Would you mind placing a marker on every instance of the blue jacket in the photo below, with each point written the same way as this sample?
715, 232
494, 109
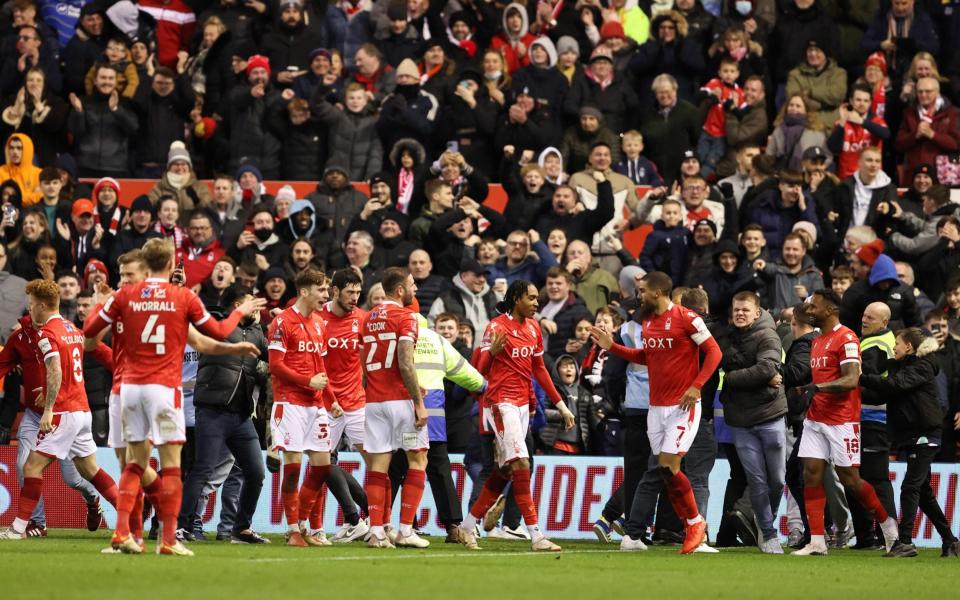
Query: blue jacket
778, 221
637, 395
665, 249
534, 271
645, 174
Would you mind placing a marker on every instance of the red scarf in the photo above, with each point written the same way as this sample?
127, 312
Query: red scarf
603, 84
114, 220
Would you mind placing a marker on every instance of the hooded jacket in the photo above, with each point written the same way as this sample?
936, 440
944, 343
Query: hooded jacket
507, 45
478, 309
899, 297
751, 358
722, 286
547, 85
580, 403
926, 237
26, 174
910, 388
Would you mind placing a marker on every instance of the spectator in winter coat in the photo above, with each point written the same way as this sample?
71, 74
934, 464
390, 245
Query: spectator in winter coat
203, 249
746, 126
730, 275
470, 298
754, 405
399, 40
668, 52
138, 232
590, 281
259, 244
820, 80
470, 118
31, 51
409, 112
527, 258
671, 126
560, 312
858, 196
603, 88
914, 415
882, 285
370, 71
180, 182
796, 129
449, 233
929, 130
41, 115
636, 167
462, 177
102, 125
514, 39
921, 233
336, 202
85, 48
244, 126
304, 140
429, 286
800, 21
577, 223
163, 105
528, 192
579, 140
778, 210
578, 439
665, 248
793, 279
900, 32
542, 80
18, 166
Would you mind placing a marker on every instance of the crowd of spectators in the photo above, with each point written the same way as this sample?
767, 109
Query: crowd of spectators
774, 146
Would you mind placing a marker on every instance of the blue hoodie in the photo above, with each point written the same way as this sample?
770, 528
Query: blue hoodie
296, 207
883, 270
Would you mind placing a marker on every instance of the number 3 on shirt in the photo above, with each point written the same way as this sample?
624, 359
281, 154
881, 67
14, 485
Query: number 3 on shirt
374, 343
154, 334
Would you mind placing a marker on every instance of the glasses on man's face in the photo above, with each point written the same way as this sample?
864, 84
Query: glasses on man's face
517, 244
694, 188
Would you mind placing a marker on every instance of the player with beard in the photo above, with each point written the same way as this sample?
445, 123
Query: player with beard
395, 418
511, 355
831, 430
341, 320
673, 338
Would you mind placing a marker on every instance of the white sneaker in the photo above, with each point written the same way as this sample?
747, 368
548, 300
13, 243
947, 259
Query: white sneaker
10, 534
812, 549
520, 533
349, 533
890, 532
391, 534
468, 537
705, 548
628, 544
412, 541
375, 542
544, 545
771, 546
497, 533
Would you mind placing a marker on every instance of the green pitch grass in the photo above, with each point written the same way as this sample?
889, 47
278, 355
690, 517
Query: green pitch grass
68, 564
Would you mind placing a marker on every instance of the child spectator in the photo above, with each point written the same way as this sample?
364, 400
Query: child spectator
723, 93
633, 164
353, 140
841, 278
665, 248
577, 439
117, 55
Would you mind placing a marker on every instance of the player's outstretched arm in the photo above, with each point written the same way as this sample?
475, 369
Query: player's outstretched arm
221, 329
605, 341
207, 345
408, 372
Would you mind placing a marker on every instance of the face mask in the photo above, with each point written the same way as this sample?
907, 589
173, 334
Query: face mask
177, 180
263, 234
493, 76
744, 7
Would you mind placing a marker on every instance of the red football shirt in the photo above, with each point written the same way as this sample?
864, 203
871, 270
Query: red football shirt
670, 347
386, 326
297, 342
59, 337
343, 356
21, 351
828, 354
510, 374
152, 320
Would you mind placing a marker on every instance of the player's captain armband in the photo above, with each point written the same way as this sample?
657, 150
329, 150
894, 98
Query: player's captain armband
851, 350
701, 333
45, 346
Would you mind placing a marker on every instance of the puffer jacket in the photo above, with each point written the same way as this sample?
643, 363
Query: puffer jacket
797, 373
780, 281
352, 141
825, 88
247, 133
101, 136
335, 209
195, 194
580, 403
478, 309
220, 377
751, 358
910, 387
898, 296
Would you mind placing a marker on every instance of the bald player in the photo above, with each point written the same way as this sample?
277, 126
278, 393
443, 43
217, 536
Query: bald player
876, 349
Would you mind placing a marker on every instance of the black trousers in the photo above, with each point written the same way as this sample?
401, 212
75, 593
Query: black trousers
440, 477
875, 470
736, 487
636, 454
915, 492
511, 514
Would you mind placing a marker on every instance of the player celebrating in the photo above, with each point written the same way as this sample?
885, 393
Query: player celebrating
512, 353
156, 315
395, 415
65, 425
341, 321
673, 337
831, 430
299, 424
